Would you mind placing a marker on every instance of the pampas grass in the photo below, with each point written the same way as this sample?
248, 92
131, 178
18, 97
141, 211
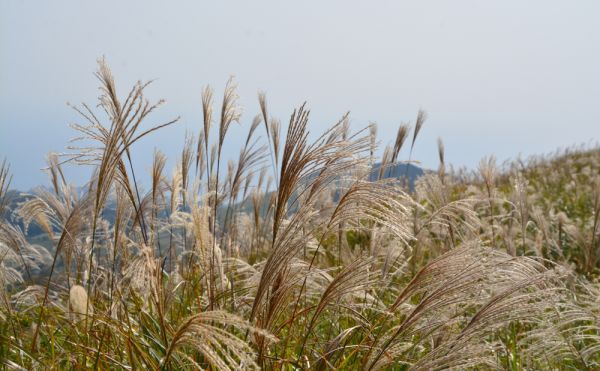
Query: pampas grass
78, 300
296, 258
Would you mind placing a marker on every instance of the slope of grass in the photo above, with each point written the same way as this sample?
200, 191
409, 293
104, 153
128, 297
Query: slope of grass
293, 256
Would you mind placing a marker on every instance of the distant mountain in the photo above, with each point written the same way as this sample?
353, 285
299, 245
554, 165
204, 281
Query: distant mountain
15, 198
397, 171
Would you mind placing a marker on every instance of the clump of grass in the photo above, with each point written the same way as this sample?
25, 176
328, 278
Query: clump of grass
290, 256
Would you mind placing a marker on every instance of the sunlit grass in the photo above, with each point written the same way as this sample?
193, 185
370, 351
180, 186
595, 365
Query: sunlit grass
291, 255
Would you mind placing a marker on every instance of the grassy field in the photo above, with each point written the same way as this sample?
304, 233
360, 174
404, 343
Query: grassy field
294, 256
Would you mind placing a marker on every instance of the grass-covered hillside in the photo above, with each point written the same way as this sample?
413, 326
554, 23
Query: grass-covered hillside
296, 254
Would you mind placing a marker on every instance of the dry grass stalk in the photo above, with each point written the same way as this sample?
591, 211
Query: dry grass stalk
322, 268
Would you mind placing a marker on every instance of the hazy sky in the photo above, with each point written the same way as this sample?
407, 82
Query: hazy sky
502, 77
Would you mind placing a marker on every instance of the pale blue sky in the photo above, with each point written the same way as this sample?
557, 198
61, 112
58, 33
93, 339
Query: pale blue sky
503, 77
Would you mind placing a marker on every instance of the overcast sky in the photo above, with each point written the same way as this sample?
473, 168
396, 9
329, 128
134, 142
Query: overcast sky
503, 77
